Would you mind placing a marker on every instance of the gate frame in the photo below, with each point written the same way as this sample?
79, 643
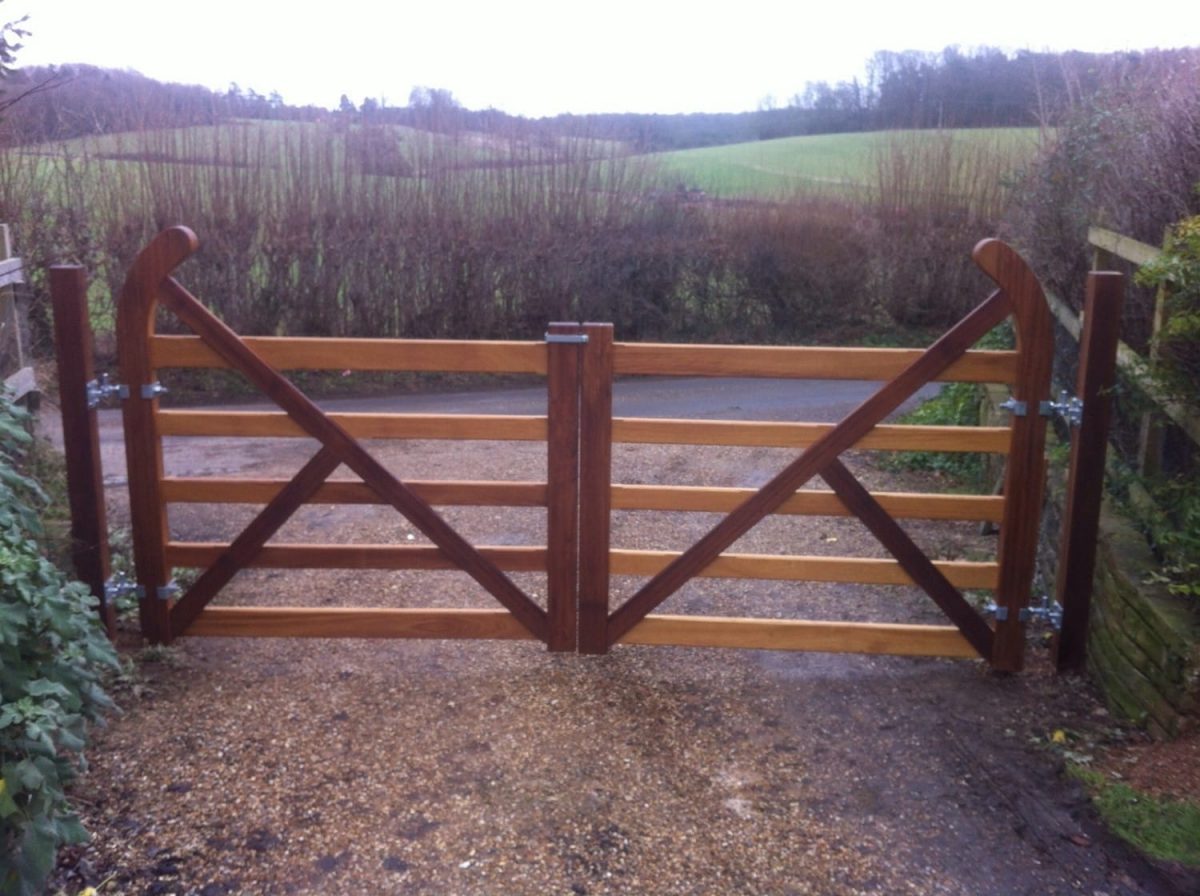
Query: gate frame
580, 363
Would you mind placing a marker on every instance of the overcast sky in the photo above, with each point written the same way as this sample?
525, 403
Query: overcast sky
539, 58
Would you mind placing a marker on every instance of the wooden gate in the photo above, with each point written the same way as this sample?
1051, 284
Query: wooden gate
579, 363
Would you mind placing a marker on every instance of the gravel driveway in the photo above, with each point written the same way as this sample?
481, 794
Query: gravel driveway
362, 767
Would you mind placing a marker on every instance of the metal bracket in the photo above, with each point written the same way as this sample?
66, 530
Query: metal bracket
119, 586
1014, 407
567, 338
153, 390
1068, 406
167, 591
102, 389
1048, 611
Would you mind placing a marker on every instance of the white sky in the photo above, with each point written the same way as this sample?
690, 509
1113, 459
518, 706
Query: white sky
534, 57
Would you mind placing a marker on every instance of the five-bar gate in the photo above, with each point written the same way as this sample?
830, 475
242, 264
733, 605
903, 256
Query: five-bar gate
579, 363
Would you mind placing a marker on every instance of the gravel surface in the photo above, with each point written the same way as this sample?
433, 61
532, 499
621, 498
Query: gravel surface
331, 767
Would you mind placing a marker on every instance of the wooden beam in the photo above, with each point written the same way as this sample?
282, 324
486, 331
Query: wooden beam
562, 474
1122, 246
1085, 481
198, 490
660, 431
915, 563
789, 634
292, 353
273, 424
356, 622
361, 556
845, 435
800, 362
81, 436
595, 488
864, 570
319, 426
809, 502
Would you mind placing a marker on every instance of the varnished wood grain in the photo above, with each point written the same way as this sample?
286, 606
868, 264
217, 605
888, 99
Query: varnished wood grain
850, 431
136, 306
267, 424
81, 436
888, 437
1026, 471
1085, 481
562, 474
801, 362
219, 490
809, 502
358, 622
864, 570
788, 634
292, 353
595, 487
302, 410
363, 556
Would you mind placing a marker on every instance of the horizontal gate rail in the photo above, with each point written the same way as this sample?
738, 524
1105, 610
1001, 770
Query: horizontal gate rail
802, 362
273, 424
442, 493
756, 434
357, 622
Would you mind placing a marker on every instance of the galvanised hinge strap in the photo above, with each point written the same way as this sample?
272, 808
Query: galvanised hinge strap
121, 585
102, 389
1068, 406
1048, 611
567, 338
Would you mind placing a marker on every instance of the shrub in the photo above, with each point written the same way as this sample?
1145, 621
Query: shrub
52, 654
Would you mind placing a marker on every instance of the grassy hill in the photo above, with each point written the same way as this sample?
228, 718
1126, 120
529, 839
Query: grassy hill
837, 164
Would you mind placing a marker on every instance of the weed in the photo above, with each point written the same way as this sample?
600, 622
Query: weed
1164, 829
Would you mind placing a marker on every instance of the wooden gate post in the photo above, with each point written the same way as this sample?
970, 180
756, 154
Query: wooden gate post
1085, 482
595, 487
81, 438
563, 343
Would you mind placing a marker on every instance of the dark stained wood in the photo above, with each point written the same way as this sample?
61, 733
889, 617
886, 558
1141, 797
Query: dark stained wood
81, 439
950, 346
143, 447
1026, 472
306, 414
562, 476
595, 487
1089, 442
253, 537
910, 557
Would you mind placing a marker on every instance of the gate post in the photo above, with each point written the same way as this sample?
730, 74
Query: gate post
563, 342
595, 487
1085, 480
81, 438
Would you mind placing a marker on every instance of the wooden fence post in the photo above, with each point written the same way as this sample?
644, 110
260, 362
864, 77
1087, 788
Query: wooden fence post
1085, 482
595, 487
562, 477
81, 438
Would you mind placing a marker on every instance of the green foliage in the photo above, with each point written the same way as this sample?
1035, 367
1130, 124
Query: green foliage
1176, 367
1173, 527
52, 654
957, 404
1162, 828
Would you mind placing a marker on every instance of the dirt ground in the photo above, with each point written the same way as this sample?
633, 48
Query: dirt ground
353, 767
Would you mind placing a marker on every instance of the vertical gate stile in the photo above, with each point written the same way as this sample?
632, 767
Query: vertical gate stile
595, 487
1024, 481
81, 438
562, 469
143, 444
1089, 443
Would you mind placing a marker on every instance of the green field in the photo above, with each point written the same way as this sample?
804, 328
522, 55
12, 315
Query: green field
833, 164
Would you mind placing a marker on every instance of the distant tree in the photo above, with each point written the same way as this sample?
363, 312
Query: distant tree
345, 104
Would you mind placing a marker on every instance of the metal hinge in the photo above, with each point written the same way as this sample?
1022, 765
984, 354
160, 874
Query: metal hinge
102, 389
153, 390
1068, 406
1014, 407
1048, 611
567, 338
167, 591
119, 586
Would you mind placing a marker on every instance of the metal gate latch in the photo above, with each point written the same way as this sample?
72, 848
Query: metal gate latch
1047, 611
102, 389
119, 586
1068, 406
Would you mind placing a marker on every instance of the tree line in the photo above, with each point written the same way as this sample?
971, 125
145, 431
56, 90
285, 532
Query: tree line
952, 88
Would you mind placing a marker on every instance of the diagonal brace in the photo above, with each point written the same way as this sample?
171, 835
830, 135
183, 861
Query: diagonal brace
317, 424
247, 545
911, 558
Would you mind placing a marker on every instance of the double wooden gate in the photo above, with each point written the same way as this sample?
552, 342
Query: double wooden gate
579, 363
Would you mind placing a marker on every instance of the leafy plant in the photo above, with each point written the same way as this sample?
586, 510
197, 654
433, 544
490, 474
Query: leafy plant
1162, 828
52, 655
1176, 367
